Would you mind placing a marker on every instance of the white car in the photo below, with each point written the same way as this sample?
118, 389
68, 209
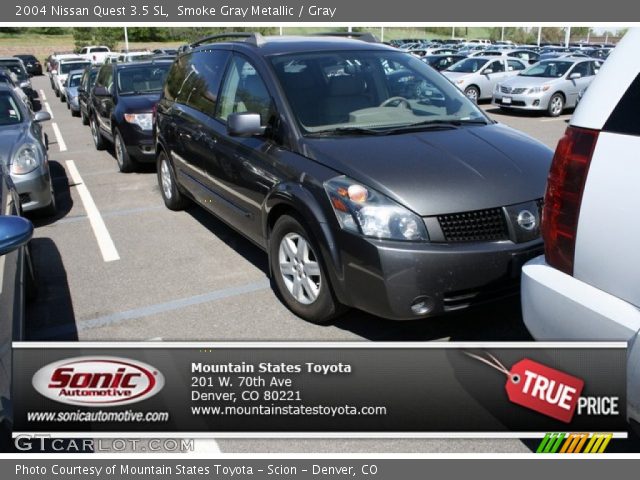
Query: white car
477, 77
587, 285
96, 54
60, 75
134, 56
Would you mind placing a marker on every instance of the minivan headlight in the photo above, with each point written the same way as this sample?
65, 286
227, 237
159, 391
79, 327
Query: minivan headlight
25, 160
143, 120
362, 210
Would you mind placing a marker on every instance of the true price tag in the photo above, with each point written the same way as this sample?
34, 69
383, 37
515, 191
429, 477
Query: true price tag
538, 387
544, 389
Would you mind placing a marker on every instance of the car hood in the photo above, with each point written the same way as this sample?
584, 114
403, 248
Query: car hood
443, 171
519, 81
138, 103
10, 137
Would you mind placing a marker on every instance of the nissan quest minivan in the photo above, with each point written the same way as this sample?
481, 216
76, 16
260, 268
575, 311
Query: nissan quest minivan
370, 180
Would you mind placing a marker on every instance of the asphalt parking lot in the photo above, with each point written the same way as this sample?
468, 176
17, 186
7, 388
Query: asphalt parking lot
115, 264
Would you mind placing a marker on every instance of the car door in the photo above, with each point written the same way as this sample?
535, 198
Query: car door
103, 104
195, 137
491, 74
243, 169
576, 85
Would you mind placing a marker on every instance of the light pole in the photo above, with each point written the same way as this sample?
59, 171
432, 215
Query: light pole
126, 40
539, 35
567, 37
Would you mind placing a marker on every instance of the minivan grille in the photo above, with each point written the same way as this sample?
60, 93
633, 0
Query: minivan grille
476, 226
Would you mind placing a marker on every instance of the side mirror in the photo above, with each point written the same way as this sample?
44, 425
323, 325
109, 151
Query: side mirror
54, 72
575, 76
41, 116
487, 71
14, 233
25, 85
101, 91
244, 124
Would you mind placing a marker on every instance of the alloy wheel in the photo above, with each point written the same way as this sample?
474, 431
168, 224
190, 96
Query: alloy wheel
299, 268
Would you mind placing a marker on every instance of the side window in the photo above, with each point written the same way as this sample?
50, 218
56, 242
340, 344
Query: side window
205, 70
175, 79
582, 68
514, 65
496, 66
624, 118
244, 91
102, 76
596, 66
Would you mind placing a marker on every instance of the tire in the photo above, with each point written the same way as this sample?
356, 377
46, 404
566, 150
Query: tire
85, 118
98, 139
63, 98
556, 105
304, 287
56, 91
472, 93
68, 106
126, 164
173, 198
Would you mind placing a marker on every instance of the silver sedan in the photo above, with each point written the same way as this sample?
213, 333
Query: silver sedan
478, 76
550, 85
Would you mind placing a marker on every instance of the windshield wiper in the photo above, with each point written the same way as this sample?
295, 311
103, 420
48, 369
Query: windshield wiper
436, 124
347, 131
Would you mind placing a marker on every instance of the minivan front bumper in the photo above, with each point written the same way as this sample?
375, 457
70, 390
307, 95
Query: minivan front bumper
387, 278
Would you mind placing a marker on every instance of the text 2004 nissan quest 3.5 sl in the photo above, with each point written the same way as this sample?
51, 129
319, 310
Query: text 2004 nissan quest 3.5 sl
370, 180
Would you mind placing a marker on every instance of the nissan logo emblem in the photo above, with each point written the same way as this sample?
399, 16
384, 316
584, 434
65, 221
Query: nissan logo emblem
526, 220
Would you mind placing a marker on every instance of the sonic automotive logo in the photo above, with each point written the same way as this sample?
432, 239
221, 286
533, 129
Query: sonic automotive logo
98, 381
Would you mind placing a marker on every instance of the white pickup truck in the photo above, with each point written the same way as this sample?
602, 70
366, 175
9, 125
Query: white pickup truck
96, 54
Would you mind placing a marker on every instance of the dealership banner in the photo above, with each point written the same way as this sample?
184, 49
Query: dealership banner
440, 389
295, 11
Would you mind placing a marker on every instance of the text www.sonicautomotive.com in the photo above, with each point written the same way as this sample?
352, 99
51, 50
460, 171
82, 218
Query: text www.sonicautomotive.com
98, 416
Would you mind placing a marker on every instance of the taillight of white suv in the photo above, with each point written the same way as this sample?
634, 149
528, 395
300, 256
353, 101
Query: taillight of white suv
563, 197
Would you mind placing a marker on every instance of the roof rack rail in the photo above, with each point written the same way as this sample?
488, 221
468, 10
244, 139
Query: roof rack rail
249, 37
364, 36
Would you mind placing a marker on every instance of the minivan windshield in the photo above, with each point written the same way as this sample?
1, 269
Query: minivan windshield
16, 67
142, 79
359, 91
547, 69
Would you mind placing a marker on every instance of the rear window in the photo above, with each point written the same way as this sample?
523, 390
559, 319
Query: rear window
9, 111
99, 49
67, 67
624, 118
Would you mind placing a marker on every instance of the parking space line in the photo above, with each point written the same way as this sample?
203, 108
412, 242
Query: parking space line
61, 145
43, 97
105, 243
113, 213
554, 119
137, 313
48, 109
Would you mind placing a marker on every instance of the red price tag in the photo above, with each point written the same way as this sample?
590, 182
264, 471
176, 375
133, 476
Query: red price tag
544, 389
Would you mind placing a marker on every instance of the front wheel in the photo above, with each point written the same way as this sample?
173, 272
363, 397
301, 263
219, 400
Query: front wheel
85, 118
98, 139
173, 198
556, 105
299, 275
472, 93
126, 164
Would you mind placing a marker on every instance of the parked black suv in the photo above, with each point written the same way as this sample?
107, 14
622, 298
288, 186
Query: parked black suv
86, 84
122, 100
31, 63
369, 179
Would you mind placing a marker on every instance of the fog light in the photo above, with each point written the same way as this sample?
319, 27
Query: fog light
536, 103
422, 305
